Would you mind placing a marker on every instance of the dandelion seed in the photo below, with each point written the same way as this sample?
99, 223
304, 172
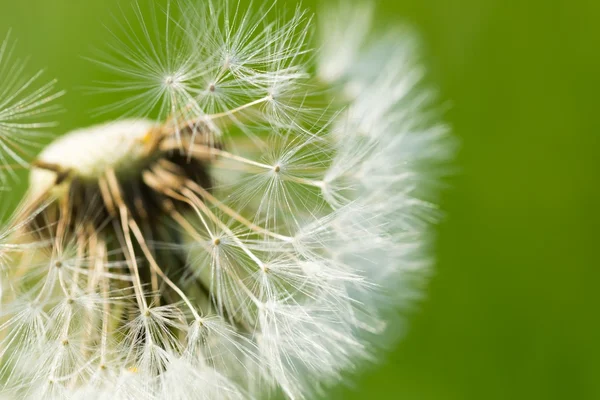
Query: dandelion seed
231, 238
24, 103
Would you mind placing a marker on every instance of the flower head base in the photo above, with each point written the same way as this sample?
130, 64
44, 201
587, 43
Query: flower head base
242, 243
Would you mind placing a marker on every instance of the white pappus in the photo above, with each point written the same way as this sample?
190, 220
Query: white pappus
248, 227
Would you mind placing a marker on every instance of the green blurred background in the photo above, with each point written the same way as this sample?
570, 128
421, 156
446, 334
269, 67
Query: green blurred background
512, 311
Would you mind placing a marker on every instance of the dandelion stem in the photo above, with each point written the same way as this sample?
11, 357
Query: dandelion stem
101, 259
227, 210
170, 130
113, 186
205, 150
189, 194
240, 108
200, 208
145, 249
241, 159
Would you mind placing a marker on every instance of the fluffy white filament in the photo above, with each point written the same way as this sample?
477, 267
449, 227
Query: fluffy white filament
315, 230
24, 103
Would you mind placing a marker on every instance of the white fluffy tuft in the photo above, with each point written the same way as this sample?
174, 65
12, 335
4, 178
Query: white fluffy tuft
317, 224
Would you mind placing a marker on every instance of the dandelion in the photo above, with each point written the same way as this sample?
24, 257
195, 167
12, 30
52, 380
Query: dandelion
243, 229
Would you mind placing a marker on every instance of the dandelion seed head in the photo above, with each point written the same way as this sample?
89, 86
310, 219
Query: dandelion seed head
232, 236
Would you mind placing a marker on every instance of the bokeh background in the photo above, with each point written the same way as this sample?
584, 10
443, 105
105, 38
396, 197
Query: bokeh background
512, 311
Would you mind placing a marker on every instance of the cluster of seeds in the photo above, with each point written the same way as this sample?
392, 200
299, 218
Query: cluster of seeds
255, 236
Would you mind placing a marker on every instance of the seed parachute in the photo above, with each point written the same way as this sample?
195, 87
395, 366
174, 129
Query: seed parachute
248, 225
